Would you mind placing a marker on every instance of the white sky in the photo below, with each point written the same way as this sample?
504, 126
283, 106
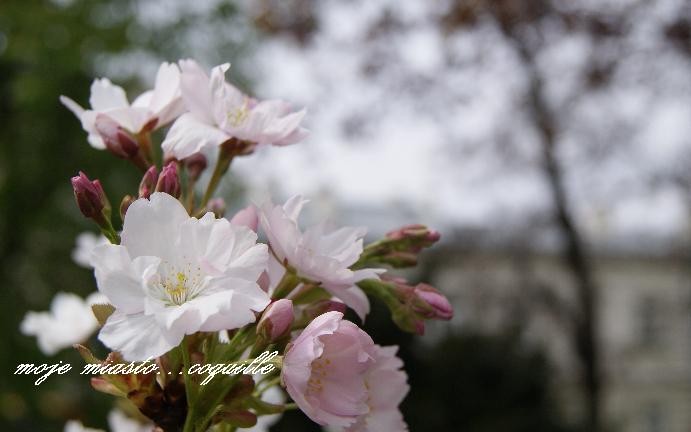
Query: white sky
445, 139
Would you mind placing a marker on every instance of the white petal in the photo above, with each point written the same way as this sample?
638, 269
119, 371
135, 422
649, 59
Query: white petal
143, 100
189, 135
219, 90
77, 426
86, 242
354, 298
246, 299
152, 226
293, 207
166, 88
166, 102
69, 321
73, 106
137, 336
132, 119
96, 142
279, 223
196, 91
105, 95
296, 136
120, 278
119, 422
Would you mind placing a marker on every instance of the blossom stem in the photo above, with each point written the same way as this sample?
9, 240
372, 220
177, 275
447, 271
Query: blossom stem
376, 288
268, 383
109, 232
277, 361
189, 420
144, 140
225, 157
286, 285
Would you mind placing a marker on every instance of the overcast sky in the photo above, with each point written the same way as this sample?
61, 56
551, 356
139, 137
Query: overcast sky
413, 124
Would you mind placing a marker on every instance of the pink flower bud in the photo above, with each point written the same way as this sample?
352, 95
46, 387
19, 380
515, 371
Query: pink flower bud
417, 304
418, 235
246, 217
276, 320
217, 206
91, 199
116, 139
400, 248
195, 164
148, 184
438, 306
168, 181
400, 259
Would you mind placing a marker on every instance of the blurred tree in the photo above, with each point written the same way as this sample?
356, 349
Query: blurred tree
45, 51
479, 383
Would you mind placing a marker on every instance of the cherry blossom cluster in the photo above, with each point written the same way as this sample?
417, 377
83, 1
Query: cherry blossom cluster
181, 285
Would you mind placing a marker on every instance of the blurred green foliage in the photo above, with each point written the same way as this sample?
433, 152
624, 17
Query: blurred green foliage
47, 49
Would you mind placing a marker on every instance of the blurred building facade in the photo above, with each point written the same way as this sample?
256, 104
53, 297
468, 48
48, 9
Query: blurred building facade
643, 329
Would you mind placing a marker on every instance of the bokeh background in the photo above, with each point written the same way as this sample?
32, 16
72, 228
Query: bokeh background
548, 140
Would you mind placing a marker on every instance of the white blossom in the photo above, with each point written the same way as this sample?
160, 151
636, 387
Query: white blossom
174, 275
69, 321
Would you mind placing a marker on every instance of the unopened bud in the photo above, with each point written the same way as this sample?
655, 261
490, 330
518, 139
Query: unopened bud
246, 217
400, 259
148, 184
168, 158
409, 305
168, 181
91, 199
276, 320
418, 236
423, 300
116, 139
400, 248
408, 322
437, 306
217, 206
195, 165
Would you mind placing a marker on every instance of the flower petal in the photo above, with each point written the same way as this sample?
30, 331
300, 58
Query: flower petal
152, 226
189, 135
196, 91
105, 95
137, 336
120, 278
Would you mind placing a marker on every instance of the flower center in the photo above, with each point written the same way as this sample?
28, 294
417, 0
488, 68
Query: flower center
238, 116
320, 369
175, 285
